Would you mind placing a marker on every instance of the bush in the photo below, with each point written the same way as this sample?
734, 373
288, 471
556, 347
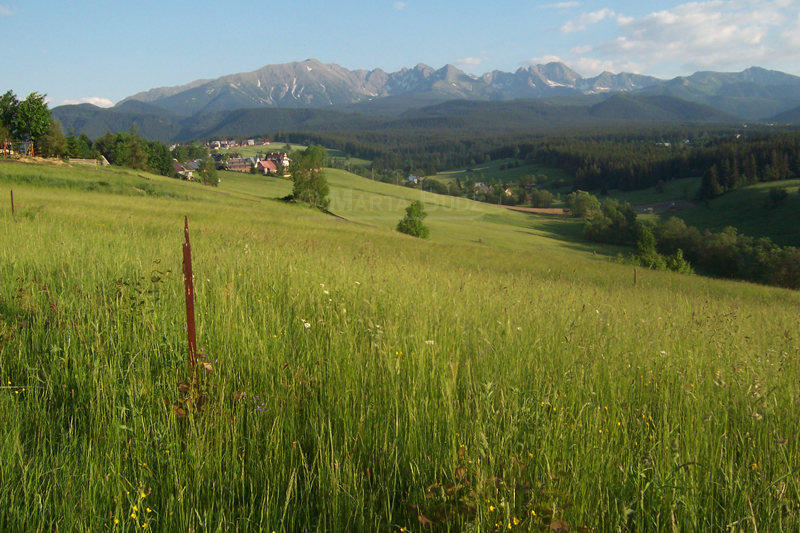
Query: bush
582, 204
412, 224
777, 195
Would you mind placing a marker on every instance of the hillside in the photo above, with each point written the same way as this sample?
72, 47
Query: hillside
787, 117
355, 379
754, 93
457, 117
634, 107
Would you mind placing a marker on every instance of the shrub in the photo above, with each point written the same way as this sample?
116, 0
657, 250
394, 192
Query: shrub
412, 224
777, 195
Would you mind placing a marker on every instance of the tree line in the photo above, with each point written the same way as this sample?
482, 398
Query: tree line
30, 121
673, 245
627, 159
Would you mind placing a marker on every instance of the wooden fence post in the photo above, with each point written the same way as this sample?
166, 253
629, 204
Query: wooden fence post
191, 331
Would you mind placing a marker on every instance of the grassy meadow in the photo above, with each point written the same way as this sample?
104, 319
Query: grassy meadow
499, 377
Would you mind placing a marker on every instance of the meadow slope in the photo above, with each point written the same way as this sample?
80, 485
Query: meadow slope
365, 380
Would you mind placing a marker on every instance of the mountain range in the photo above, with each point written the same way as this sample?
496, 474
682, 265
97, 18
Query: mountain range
198, 108
312, 84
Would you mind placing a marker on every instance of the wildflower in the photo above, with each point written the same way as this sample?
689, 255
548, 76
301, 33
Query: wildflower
135, 508
133, 516
306, 325
148, 510
116, 521
491, 508
142, 495
755, 466
429, 343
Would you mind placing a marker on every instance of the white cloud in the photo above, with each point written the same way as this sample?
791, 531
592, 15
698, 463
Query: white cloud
585, 20
468, 62
585, 66
561, 5
714, 34
5, 12
580, 50
94, 100
588, 67
543, 60
400, 5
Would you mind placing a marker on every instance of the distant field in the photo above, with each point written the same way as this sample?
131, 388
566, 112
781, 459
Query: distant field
492, 170
684, 189
745, 209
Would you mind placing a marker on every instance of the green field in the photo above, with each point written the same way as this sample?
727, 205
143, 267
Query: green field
509, 175
497, 377
746, 209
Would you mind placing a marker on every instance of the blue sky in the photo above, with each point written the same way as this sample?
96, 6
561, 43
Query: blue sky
101, 51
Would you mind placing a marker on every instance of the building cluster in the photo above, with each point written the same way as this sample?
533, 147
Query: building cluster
225, 145
272, 163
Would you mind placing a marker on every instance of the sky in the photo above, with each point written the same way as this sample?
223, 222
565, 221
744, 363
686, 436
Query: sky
101, 51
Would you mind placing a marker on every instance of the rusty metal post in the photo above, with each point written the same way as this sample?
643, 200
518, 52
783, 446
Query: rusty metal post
191, 331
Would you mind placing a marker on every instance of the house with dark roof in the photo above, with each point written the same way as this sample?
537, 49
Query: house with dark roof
183, 172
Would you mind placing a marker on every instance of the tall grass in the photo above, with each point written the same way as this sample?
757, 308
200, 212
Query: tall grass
367, 381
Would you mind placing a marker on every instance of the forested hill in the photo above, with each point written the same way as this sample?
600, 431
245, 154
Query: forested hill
526, 115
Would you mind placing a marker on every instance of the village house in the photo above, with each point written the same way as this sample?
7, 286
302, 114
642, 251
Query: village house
239, 164
482, 188
278, 158
267, 167
184, 173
